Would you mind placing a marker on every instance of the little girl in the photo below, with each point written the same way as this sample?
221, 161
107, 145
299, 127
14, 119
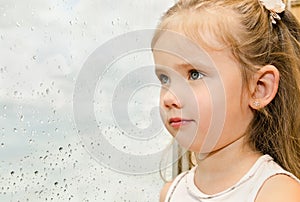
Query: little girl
232, 99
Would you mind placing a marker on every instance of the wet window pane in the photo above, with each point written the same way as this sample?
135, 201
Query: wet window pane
50, 149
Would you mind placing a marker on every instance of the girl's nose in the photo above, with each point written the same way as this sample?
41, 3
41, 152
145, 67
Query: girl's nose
170, 100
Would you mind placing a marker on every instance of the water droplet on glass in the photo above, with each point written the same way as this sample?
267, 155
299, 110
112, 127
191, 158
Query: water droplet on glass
30, 141
15, 130
22, 118
47, 91
60, 148
2, 144
4, 106
34, 57
15, 93
12, 172
32, 28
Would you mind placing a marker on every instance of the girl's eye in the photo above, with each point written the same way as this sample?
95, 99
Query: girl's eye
164, 79
195, 75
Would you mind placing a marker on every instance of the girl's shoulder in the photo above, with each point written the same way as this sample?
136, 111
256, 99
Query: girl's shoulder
265, 181
164, 191
169, 186
275, 183
279, 187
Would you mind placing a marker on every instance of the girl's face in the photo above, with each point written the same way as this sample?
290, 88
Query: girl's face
203, 103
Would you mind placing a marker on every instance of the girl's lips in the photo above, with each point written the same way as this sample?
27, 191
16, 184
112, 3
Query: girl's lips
178, 122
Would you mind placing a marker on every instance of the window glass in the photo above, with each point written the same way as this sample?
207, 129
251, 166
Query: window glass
44, 154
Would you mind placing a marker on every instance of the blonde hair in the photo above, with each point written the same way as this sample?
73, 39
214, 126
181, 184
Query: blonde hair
255, 41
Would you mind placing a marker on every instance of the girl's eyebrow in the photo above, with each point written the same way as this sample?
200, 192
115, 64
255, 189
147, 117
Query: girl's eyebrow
184, 65
177, 67
189, 66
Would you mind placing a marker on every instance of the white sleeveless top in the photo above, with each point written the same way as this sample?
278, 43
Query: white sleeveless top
245, 190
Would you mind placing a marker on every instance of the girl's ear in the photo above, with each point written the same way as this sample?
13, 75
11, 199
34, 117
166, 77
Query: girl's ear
264, 86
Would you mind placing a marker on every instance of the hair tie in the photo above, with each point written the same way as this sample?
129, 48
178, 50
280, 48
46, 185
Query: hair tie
275, 7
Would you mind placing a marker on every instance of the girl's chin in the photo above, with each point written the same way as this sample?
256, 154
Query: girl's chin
197, 147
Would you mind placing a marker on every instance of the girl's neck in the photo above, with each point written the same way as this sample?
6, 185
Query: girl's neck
223, 168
